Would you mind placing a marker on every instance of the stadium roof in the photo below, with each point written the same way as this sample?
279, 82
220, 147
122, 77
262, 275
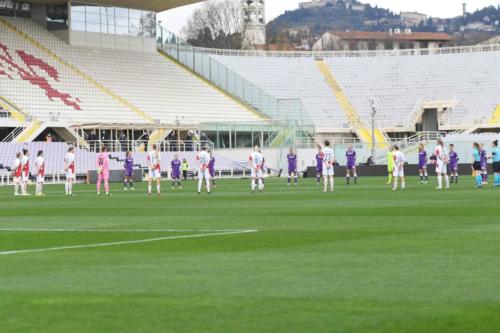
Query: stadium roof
153, 5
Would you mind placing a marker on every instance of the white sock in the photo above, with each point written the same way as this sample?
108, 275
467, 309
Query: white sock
331, 183
440, 181
253, 185
447, 180
71, 188
158, 187
395, 183
66, 188
325, 183
16, 188
261, 185
200, 182
207, 182
403, 184
149, 188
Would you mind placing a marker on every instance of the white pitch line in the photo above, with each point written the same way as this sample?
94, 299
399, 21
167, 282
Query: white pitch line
139, 241
121, 230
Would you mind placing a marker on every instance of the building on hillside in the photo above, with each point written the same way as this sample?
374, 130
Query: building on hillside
254, 16
394, 39
412, 18
316, 3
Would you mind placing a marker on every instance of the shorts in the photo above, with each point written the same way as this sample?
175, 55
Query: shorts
441, 167
17, 179
319, 171
328, 172
176, 175
290, 171
40, 179
390, 169
129, 173
476, 166
422, 166
154, 174
453, 168
70, 174
256, 173
25, 177
496, 167
350, 166
398, 172
204, 174
103, 176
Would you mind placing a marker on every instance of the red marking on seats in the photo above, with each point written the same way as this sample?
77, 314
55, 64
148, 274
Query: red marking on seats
29, 74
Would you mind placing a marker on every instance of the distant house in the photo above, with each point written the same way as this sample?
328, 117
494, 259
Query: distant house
412, 18
394, 39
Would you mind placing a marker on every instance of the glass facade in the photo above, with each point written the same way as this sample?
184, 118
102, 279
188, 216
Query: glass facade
113, 20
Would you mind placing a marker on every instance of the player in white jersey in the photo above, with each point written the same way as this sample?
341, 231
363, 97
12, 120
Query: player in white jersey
442, 159
69, 168
40, 173
256, 160
203, 161
399, 168
154, 172
17, 173
25, 175
328, 171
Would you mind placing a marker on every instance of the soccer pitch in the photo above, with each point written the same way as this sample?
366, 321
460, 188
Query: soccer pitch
294, 259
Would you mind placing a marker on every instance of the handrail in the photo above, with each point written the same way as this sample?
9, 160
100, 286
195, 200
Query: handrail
353, 54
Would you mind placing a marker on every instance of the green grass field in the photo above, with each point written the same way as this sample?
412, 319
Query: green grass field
362, 259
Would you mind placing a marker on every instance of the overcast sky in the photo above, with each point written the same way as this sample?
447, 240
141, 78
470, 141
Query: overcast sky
175, 19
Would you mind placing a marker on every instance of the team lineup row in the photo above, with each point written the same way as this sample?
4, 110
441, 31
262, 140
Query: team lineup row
442, 158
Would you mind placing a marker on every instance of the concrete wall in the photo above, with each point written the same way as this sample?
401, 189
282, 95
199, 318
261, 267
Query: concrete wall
95, 39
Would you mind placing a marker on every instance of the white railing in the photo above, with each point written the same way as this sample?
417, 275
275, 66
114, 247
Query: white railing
352, 54
143, 145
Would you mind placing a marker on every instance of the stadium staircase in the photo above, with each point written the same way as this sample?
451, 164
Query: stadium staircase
364, 134
495, 120
76, 70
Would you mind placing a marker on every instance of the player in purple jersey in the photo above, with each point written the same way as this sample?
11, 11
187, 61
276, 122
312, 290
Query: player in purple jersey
319, 166
292, 167
453, 164
211, 168
128, 171
351, 165
175, 173
484, 165
422, 164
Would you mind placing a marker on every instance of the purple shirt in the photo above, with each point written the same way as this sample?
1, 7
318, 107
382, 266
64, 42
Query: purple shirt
292, 162
351, 158
319, 162
484, 158
129, 166
453, 159
176, 168
211, 166
422, 158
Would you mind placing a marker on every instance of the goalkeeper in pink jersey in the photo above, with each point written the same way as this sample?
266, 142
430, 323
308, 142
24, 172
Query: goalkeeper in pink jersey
102, 164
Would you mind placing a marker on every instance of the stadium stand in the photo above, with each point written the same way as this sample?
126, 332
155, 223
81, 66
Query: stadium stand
140, 86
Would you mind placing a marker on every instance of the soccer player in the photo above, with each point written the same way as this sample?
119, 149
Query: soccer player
390, 164
328, 171
422, 164
18, 170
453, 165
484, 164
154, 172
175, 173
495, 156
441, 165
476, 165
203, 160
40, 173
292, 167
319, 166
399, 168
128, 171
25, 174
69, 168
256, 160
351, 165
211, 168
102, 164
